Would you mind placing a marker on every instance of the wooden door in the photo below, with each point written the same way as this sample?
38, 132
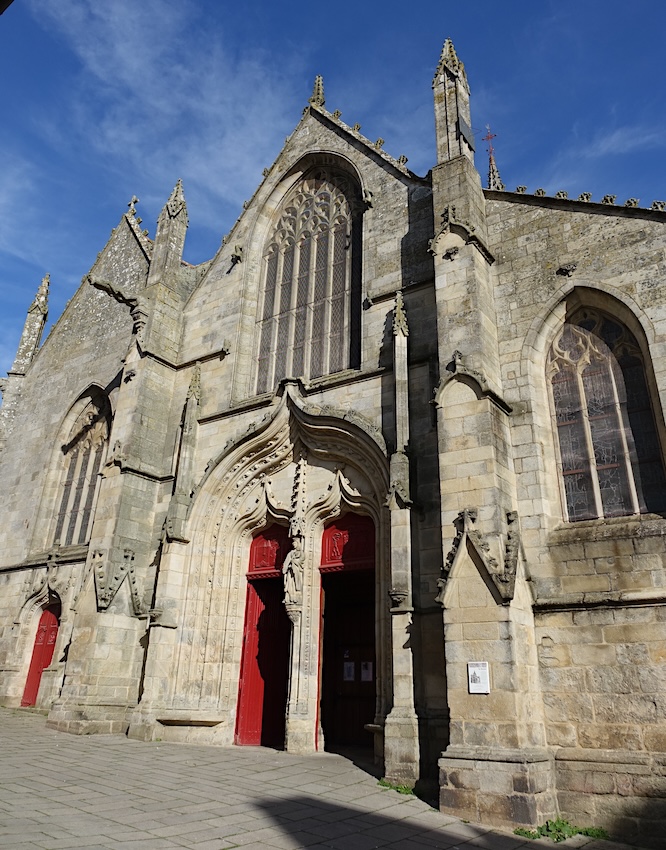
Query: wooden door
42, 654
264, 677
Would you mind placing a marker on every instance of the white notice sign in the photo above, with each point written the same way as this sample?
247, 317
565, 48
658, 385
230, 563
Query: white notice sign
478, 677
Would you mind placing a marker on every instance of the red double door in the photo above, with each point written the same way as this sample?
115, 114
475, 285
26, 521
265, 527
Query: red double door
348, 652
42, 654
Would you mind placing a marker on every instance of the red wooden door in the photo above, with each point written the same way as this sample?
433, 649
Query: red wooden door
264, 677
42, 653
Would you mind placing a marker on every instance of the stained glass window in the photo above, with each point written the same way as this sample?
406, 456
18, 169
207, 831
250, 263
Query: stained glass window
84, 453
309, 319
609, 451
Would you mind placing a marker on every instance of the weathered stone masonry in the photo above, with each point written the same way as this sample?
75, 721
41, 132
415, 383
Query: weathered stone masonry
195, 457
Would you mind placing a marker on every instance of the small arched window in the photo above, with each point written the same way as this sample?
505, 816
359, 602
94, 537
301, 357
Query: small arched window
85, 452
610, 456
309, 321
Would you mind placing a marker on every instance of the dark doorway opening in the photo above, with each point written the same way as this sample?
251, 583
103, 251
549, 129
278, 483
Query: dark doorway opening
348, 668
42, 653
264, 675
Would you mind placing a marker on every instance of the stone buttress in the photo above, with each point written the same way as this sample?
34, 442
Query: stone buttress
496, 768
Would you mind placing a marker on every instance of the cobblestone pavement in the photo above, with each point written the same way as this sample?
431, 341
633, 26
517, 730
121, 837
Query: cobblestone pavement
60, 791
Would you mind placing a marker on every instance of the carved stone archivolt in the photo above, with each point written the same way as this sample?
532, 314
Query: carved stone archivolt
301, 467
500, 569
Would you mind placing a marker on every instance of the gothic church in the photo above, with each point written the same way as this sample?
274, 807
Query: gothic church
386, 472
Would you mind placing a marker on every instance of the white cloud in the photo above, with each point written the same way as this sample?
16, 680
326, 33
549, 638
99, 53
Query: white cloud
142, 103
18, 193
622, 140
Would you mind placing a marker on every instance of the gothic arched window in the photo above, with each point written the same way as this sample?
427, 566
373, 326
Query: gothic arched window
85, 451
610, 457
309, 321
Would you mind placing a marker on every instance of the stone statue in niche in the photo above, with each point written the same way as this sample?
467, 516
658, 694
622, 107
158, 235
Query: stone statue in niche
292, 572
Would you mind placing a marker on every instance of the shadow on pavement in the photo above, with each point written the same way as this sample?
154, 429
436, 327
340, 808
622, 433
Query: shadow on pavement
307, 821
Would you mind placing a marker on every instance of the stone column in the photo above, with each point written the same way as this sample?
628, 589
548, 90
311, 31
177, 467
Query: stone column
401, 739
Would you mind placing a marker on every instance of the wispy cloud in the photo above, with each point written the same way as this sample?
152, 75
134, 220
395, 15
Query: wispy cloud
18, 193
142, 102
622, 140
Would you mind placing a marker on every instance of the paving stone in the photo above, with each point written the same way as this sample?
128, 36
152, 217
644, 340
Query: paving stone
112, 807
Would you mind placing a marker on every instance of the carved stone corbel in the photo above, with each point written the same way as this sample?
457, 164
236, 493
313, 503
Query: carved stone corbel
399, 601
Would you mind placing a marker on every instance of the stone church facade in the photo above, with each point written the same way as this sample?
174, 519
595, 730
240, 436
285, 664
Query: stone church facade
387, 471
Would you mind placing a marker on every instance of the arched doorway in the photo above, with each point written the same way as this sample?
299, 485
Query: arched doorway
348, 675
264, 674
42, 653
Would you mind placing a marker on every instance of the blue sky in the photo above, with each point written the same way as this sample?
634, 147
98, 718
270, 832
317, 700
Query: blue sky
103, 100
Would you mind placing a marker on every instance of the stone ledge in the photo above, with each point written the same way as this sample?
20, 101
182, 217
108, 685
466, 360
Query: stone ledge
600, 598
618, 757
509, 755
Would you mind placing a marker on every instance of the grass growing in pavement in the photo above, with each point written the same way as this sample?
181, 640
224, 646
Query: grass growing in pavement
559, 830
401, 789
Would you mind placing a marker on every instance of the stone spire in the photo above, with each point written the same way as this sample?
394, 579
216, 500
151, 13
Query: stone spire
317, 98
453, 123
32, 330
494, 179
170, 238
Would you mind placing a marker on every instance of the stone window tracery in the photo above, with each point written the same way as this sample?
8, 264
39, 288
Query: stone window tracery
85, 452
610, 456
309, 322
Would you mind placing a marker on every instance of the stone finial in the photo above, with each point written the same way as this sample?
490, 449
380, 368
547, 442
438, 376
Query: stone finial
379, 143
317, 98
562, 195
631, 202
41, 302
337, 113
608, 199
132, 205
356, 128
540, 193
400, 316
494, 179
449, 60
658, 205
402, 159
176, 203
32, 329
585, 197
520, 190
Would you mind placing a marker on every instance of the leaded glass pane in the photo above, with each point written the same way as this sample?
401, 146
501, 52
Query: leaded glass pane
284, 318
573, 445
304, 332
84, 530
66, 492
607, 437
